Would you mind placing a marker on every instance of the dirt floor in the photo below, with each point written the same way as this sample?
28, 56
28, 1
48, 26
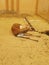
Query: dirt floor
20, 51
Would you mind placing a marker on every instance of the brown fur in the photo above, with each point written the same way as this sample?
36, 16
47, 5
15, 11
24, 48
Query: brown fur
46, 32
15, 28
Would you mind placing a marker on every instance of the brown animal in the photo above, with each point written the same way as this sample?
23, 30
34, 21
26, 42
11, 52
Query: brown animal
46, 32
16, 29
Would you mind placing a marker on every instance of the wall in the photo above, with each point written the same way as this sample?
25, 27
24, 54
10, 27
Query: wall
2, 4
43, 8
24, 6
27, 6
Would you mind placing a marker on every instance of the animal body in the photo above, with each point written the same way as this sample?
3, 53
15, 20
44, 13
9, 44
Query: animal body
19, 29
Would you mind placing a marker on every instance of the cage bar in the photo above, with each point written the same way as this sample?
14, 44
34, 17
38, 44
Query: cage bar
7, 5
12, 5
17, 5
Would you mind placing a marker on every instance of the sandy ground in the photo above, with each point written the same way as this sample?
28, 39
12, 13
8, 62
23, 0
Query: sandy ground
20, 51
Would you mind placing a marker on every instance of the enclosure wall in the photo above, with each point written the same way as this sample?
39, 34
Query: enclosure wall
43, 8
19, 6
